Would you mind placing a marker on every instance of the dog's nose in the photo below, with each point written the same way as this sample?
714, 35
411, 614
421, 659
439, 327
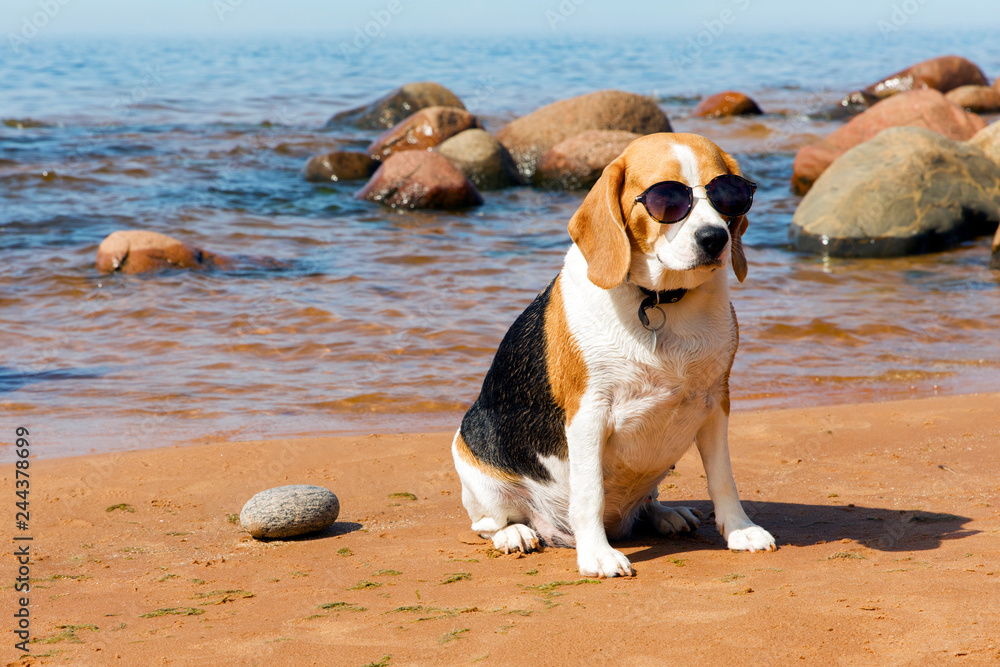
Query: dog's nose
712, 239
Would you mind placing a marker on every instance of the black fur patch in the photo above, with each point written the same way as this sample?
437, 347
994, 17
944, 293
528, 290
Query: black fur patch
516, 419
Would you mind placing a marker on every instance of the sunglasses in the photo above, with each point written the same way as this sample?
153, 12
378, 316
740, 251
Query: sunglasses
672, 201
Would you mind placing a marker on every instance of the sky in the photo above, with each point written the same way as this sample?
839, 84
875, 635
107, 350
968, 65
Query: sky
669, 18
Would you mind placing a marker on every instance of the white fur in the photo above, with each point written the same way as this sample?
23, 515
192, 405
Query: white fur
645, 404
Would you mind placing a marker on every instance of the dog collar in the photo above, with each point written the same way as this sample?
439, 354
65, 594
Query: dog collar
654, 299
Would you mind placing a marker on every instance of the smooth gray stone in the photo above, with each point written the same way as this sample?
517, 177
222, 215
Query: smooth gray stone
483, 159
287, 511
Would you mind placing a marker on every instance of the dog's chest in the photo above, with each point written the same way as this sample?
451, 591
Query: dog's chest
658, 406
647, 397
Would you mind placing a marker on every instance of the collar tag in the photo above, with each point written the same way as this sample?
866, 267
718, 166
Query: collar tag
654, 300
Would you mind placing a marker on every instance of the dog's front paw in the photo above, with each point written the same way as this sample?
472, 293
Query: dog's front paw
606, 562
751, 538
516, 537
673, 520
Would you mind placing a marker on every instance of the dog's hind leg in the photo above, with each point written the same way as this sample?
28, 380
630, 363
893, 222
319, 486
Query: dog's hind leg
493, 505
671, 520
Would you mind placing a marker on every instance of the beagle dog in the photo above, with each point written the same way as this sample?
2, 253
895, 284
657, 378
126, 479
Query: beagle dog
623, 361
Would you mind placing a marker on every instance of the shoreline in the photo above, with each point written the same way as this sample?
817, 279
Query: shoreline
877, 507
427, 426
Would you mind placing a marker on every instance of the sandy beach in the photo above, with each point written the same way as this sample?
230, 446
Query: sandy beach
885, 515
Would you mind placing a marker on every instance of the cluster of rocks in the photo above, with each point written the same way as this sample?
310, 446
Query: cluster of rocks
916, 170
434, 154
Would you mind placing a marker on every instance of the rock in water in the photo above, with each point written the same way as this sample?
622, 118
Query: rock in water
140, 251
420, 179
942, 74
287, 511
531, 136
988, 139
907, 191
425, 129
397, 105
728, 103
576, 163
920, 108
340, 166
977, 99
483, 159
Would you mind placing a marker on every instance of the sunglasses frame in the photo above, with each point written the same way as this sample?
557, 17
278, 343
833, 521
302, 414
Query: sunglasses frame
690, 196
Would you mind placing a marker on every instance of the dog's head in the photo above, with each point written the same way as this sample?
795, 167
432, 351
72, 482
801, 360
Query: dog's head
618, 237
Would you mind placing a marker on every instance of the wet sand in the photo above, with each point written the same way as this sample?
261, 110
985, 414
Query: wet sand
885, 514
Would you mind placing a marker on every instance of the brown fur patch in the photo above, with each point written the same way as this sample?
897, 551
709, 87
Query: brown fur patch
566, 367
597, 228
466, 455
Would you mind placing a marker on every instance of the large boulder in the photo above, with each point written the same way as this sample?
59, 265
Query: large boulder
978, 99
728, 103
907, 191
941, 74
919, 108
425, 129
531, 136
988, 141
420, 179
139, 251
576, 163
340, 166
483, 159
397, 105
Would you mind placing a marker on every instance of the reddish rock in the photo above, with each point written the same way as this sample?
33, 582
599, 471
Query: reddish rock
576, 163
978, 99
531, 136
942, 74
425, 129
919, 108
420, 179
137, 251
340, 166
397, 105
728, 103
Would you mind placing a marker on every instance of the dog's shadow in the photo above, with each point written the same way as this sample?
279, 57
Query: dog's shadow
793, 524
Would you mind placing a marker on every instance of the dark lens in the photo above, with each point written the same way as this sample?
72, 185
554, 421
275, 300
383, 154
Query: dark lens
669, 201
731, 195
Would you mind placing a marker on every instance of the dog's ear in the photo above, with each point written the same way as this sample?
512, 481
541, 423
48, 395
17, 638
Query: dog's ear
598, 229
737, 227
